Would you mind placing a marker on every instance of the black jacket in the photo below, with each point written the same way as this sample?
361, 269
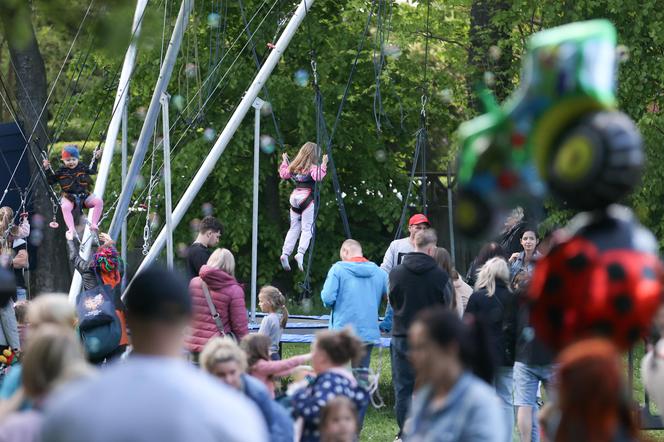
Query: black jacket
415, 284
498, 312
74, 181
529, 349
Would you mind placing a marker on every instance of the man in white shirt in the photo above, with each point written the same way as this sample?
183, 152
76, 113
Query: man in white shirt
155, 395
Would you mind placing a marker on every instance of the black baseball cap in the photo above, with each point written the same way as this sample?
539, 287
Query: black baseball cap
159, 294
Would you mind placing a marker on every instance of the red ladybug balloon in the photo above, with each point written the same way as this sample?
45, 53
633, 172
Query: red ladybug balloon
604, 279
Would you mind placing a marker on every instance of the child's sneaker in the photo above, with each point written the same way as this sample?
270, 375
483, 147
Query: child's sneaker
299, 258
284, 262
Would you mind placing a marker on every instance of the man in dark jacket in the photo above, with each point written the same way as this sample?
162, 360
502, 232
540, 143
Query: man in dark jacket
416, 284
209, 232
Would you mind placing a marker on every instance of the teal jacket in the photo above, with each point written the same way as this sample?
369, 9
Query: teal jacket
354, 290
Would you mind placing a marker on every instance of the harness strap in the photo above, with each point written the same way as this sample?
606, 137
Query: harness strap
304, 204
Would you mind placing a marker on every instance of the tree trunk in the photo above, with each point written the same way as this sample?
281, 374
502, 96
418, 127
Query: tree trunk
52, 271
484, 34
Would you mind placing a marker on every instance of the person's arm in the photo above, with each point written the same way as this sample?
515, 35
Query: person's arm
279, 368
511, 324
23, 227
318, 173
51, 177
20, 261
330, 289
388, 259
472, 306
284, 173
74, 257
238, 313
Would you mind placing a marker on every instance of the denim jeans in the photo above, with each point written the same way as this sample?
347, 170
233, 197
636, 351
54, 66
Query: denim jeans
361, 370
403, 378
504, 385
526, 384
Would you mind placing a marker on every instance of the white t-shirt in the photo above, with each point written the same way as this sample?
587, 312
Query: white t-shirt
148, 399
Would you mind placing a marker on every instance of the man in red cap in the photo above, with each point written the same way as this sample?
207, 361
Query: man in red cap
396, 252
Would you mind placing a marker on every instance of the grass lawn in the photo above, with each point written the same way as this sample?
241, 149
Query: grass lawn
380, 425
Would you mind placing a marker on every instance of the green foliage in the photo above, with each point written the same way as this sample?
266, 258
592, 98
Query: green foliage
223, 67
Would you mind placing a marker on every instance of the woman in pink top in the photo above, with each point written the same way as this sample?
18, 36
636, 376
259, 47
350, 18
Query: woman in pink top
304, 171
228, 298
257, 348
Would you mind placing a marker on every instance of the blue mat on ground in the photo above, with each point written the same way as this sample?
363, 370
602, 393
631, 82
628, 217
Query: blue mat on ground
309, 338
294, 325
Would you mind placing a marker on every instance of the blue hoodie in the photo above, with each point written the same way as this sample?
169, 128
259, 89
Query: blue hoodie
353, 290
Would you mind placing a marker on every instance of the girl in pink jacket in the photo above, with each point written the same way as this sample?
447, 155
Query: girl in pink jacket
228, 299
257, 348
304, 172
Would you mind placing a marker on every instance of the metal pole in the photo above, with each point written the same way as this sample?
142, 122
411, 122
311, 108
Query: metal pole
151, 117
112, 132
232, 125
450, 214
123, 236
258, 103
167, 180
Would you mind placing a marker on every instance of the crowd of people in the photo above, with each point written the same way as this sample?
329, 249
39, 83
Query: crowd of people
175, 359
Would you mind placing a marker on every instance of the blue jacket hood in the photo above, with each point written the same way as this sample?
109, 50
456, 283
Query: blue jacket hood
365, 269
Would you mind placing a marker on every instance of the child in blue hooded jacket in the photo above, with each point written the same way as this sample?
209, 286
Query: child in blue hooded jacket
353, 290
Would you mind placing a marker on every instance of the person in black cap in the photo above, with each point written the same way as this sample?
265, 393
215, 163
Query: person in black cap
155, 394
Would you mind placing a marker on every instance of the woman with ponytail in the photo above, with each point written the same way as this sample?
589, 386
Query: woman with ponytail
452, 362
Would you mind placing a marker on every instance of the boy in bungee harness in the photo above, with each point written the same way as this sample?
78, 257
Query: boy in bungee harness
75, 181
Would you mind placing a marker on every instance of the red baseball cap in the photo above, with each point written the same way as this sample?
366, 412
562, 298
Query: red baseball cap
418, 218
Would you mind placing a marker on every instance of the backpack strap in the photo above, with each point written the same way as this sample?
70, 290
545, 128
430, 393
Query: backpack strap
213, 310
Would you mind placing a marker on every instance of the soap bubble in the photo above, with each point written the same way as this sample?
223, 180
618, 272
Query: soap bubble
380, 155
392, 51
207, 209
495, 52
213, 20
140, 182
178, 102
267, 144
301, 77
209, 134
489, 78
36, 237
141, 112
190, 70
446, 95
194, 224
37, 221
154, 220
182, 250
266, 109
622, 53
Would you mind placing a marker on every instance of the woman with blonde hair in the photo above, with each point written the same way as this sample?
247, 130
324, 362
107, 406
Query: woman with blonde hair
223, 359
54, 356
52, 309
304, 171
493, 303
218, 303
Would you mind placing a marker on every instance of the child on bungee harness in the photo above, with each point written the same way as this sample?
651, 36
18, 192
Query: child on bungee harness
74, 179
304, 172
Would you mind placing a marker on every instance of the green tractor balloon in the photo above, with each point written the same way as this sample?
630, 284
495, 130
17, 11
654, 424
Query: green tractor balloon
560, 132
